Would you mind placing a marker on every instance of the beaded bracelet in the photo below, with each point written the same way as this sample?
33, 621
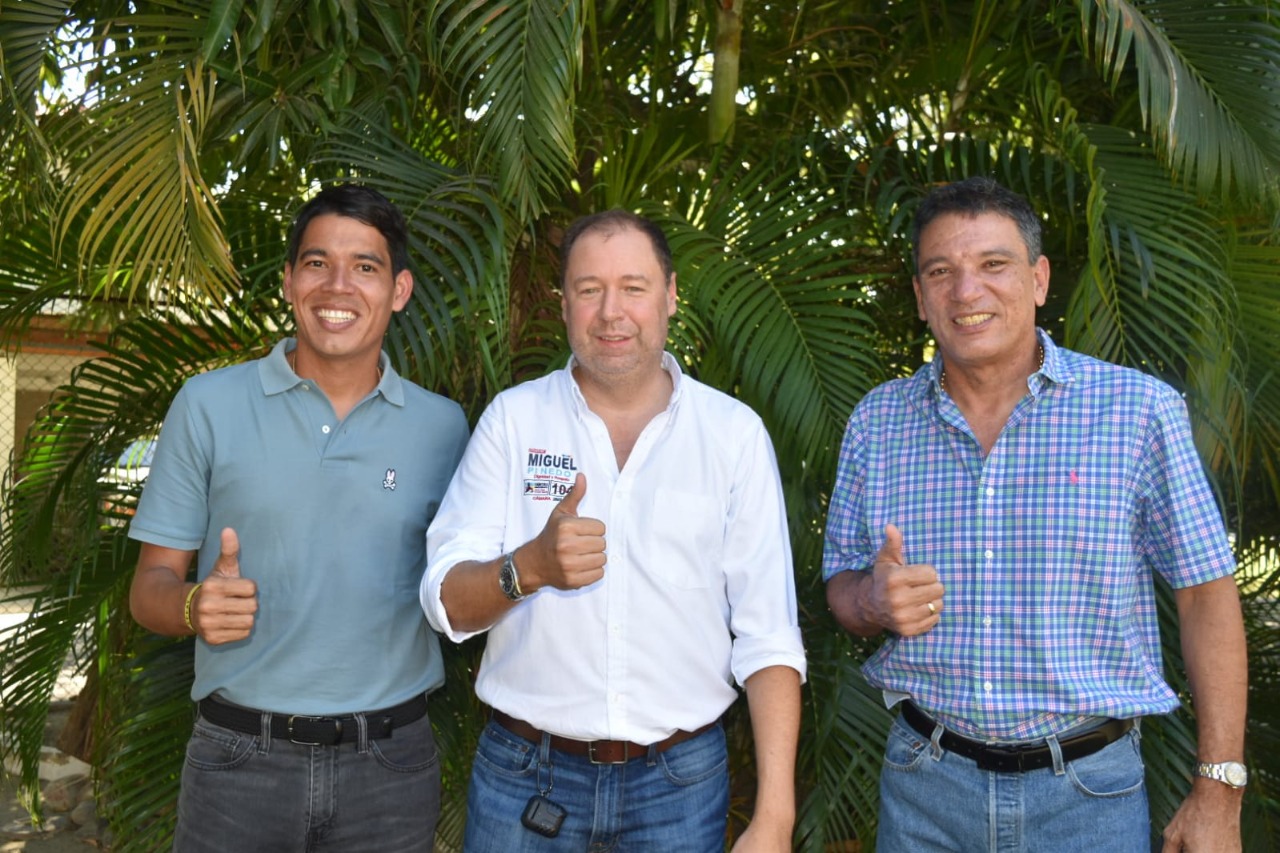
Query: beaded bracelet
186, 608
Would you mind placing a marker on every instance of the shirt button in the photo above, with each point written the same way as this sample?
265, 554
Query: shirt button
986, 685
988, 553
325, 429
306, 387
986, 621
991, 492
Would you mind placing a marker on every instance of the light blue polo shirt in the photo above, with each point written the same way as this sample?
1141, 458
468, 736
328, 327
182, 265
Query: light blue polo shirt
332, 518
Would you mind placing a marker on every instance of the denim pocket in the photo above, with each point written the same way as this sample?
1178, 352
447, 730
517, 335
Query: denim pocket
410, 749
696, 760
506, 754
905, 748
215, 748
1114, 771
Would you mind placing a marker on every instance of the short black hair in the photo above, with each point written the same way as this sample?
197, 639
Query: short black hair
972, 197
610, 222
363, 204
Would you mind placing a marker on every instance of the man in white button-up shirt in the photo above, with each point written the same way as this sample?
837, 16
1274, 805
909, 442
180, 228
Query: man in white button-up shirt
618, 529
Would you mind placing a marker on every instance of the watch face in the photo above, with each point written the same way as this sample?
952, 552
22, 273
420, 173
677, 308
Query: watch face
1236, 775
507, 579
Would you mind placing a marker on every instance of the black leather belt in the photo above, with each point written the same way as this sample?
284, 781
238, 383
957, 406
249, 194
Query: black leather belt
1016, 759
314, 731
599, 751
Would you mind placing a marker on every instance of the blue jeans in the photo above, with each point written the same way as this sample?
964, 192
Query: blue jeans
676, 801
249, 793
935, 800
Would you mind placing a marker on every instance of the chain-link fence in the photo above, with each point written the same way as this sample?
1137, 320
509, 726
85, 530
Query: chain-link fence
29, 376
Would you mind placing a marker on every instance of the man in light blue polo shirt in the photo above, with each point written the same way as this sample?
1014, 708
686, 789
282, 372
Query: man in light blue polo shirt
303, 484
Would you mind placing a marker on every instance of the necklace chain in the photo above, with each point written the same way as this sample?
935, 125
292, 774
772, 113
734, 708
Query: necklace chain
942, 377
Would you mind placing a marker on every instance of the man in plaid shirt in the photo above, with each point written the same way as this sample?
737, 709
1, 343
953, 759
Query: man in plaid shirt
1001, 514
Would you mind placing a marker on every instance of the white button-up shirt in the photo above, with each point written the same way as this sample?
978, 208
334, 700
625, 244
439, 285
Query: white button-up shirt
698, 590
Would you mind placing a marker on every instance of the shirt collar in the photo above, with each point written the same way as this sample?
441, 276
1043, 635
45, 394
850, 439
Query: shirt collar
277, 376
1053, 370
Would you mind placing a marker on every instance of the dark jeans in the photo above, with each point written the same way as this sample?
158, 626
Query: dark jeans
248, 793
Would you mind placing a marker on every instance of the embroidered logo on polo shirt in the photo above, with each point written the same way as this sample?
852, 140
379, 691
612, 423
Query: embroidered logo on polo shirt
548, 475
389, 481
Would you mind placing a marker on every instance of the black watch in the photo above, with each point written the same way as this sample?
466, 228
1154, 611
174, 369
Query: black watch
508, 579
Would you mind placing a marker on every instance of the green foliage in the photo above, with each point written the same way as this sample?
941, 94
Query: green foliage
155, 195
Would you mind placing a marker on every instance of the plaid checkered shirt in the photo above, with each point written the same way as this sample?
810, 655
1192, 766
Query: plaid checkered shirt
1046, 547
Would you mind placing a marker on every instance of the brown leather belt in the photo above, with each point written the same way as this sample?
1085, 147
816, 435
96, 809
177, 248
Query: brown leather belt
598, 751
1015, 758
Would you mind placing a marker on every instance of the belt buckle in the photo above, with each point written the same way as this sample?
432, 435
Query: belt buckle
591, 754
1002, 759
337, 730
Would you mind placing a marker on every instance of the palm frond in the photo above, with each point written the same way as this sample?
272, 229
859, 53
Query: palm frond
149, 208
147, 717
842, 739
1202, 73
1255, 262
28, 35
789, 334
517, 64
1161, 299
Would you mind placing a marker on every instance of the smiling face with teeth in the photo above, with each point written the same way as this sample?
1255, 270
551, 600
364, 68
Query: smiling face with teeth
978, 290
343, 292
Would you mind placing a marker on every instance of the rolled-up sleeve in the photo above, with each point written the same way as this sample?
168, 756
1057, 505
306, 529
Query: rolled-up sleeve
759, 576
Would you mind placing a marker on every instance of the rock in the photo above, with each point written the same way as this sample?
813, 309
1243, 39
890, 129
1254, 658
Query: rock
62, 795
55, 764
86, 812
89, 831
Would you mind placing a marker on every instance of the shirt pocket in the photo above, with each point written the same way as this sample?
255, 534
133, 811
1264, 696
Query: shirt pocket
687, 539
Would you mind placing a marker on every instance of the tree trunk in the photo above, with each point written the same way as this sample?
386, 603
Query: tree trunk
724, 72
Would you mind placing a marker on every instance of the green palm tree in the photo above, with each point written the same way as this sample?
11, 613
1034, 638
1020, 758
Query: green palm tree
156, 203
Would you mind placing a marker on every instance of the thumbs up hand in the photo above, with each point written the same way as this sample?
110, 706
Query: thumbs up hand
224, 608
905, 599
569, 552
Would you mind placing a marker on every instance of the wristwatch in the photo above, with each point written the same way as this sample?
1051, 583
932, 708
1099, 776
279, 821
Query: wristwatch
1230, 773
508, 579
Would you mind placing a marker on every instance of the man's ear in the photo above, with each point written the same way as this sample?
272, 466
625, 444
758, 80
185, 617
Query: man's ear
403, 289
1041, 274
672, 301
287, 287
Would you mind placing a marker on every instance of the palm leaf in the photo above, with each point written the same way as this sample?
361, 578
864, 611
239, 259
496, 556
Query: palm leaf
150, 210
1200, 71
516, 64
765, 274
